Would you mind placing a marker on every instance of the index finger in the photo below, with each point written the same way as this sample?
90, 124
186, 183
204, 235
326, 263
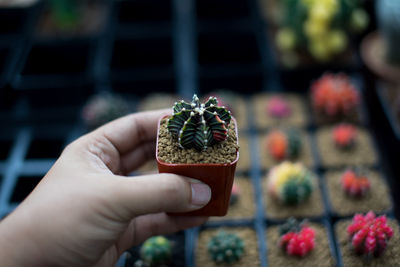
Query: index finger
130, 131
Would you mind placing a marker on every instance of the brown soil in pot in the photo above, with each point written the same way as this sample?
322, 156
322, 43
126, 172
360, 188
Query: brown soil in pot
170, 152
312, 207
250, 257
93, 18
390, 258
320, 256
322, 119
244, 161
305, 156
363, 153
376, 200
297, 118
245, 206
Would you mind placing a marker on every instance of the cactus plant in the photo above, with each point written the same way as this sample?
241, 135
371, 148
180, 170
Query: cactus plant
284, 144
290, 183
369, 234
334, 95
344, 136
388, 14
225, 99
156, 251
225, 247
318, 27
103, 108
65, 13
197, 125
278, 107
355, 183
297, 239
235, 194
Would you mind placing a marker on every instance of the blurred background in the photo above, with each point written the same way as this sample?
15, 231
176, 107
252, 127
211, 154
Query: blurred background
68, 66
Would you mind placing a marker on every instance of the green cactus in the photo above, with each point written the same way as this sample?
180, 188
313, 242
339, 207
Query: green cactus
66, 13
388, 14
291, 225
297, 190
294, 143
225, 247
156, 251
197, 125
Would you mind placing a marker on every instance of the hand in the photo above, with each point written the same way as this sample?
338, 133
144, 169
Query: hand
85, 213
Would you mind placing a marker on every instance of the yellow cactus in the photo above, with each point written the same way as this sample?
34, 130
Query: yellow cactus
336, 41
285, 39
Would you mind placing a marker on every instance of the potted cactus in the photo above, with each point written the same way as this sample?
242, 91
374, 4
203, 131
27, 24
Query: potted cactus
368, 240
61, 18
334, 98
307, 32
233, 246
200, 140
279, 110
292, 190
356, 189
102, 108
155, 251
296, 243
344, 145
379, 49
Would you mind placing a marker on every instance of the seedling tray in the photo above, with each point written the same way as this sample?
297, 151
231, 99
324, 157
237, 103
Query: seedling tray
178, 47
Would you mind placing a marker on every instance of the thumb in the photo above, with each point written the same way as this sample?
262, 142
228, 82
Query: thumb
163, 192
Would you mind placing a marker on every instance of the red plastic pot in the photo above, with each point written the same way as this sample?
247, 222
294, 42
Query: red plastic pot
218, 176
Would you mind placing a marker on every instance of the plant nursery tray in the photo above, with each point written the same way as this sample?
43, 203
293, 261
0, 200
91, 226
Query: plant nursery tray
176, 48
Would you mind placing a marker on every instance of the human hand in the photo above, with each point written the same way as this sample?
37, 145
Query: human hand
85, 213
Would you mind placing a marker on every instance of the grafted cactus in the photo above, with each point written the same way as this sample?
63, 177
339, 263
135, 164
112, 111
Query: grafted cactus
225, 247
297, 238
199, 125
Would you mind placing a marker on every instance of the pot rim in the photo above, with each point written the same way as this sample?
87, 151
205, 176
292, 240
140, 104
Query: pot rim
196, 164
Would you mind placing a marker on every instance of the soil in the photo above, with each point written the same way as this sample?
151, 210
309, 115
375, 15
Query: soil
363, 153
263, 119
312, 207
320, 256
245, 205
376, 200
322, 119
178, 251
305, 156
94, 15
244, 161
250, 257
390, 258
222, 153
157, 101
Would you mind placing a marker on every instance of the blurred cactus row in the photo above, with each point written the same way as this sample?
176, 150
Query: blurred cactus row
320, 27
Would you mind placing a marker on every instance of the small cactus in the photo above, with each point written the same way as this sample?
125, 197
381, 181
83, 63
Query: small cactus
103, 108
65, 13
355, 183
225, 247
284, 144
344, 136
199, 126
156, 251
369, 234
290, 183
278, 107
235, 194
334, 95
297, 239
225, 99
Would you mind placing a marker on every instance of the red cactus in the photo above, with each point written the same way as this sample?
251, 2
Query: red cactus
344, 135
334, 95
354, 183
369, 234
277, 144
297, 239
278, 107
235, 194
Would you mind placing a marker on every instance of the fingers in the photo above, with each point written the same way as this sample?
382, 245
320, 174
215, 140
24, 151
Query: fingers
146, 226
128, 132
133, 160
158, 193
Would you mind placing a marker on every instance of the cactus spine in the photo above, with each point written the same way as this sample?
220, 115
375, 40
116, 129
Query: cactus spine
225, 247
197, 125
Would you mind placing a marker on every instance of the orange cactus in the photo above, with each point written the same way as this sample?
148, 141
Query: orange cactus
344, 135
334, 95
355, 183
277, 144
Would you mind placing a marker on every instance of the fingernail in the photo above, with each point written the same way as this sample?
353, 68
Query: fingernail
201, 194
